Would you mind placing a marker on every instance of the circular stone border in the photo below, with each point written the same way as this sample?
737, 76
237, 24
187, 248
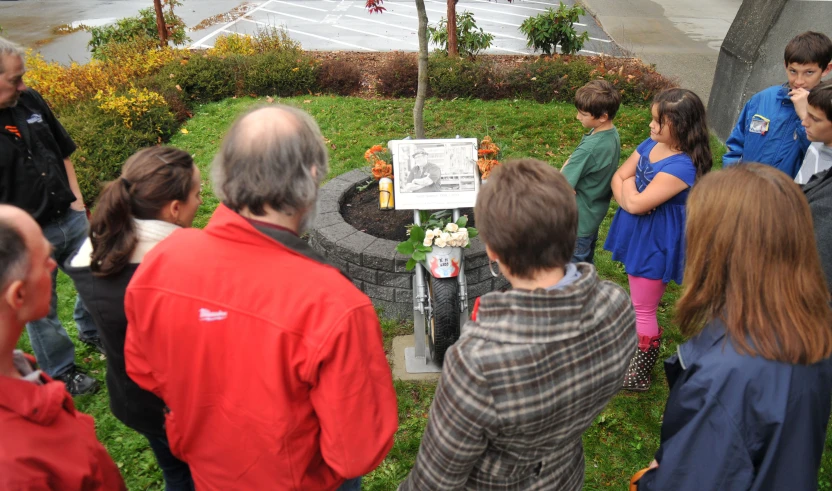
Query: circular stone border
373, 263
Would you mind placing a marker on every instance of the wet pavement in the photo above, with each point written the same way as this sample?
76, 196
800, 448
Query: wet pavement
317, 24
29, 21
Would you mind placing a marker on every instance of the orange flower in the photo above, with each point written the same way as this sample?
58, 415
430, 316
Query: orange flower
486, 166
375, 148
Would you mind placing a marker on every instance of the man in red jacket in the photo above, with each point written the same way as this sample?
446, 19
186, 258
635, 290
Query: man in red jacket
45, 442
270, 360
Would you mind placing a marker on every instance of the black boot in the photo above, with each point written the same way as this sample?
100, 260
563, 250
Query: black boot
641, 364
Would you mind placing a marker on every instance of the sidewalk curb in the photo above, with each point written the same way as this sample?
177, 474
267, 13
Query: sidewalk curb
593, 12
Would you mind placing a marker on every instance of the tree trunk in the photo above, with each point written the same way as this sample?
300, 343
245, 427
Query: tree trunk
422, 88
453, 44
160, 23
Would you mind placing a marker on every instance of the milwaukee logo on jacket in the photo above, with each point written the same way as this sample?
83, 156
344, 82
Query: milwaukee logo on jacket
270, 361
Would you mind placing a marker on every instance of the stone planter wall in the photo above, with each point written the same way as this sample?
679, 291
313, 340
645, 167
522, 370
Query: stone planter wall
373, 263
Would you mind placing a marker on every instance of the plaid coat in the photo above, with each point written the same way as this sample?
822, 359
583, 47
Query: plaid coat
522, 384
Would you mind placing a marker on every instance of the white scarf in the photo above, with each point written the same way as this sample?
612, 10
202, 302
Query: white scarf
149, 233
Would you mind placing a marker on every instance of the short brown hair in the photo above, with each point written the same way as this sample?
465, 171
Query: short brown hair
597, 98
809, 47
821, 98
752, 263
527, 215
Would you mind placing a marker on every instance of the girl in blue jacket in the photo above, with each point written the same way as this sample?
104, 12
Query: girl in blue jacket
647, 231
750, 391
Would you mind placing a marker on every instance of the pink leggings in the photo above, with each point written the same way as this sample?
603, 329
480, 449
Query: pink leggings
645, 295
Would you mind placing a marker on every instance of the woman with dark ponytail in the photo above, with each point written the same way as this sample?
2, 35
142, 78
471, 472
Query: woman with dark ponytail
158, 192
647, 232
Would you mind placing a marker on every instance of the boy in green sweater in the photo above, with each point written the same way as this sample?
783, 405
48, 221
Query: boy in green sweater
590, 168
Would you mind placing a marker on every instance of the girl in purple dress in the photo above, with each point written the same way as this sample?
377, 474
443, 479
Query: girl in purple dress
647, 232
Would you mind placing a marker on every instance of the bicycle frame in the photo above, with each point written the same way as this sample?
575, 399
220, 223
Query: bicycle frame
421, 361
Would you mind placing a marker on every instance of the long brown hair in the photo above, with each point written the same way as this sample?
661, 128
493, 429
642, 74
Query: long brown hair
752, 262
150, 179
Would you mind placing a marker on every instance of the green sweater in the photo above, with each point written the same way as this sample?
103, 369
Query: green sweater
590, 171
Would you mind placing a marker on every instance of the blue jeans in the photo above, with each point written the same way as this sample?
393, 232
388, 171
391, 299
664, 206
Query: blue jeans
50, 342
177, 474
585, 249
351, 485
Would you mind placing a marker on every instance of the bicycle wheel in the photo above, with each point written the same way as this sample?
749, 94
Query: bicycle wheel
444, 323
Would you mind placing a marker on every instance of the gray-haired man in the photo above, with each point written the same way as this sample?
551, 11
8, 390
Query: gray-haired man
275, 374
37, 176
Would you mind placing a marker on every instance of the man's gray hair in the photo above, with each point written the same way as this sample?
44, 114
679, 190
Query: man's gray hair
272, 156
14, 257
9, 48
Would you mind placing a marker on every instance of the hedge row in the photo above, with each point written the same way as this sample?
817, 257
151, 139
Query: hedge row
106, 139
543, 79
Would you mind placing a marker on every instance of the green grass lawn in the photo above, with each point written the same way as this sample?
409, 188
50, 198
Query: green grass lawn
625, 436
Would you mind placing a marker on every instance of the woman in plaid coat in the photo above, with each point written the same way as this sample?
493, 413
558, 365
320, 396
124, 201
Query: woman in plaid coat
536, 364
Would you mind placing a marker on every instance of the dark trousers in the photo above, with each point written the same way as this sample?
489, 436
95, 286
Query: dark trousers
177, 474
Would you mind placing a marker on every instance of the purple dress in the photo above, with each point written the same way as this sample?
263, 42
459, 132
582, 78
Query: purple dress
653, 246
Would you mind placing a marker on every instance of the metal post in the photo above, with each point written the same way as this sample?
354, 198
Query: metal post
463, 282
419, 293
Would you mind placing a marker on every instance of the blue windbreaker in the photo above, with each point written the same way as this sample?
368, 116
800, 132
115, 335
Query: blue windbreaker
768, 131
738, 422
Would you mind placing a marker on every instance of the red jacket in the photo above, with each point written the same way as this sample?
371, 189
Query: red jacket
271, 363
45, 444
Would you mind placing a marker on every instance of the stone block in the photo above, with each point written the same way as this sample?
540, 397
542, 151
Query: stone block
354, 177
500, 283
329, 206
329, 219
381, 249
332, 235
479, 289
397, 280
394, 310
338, 187
359, 284
472, 275
378, 256
361, 273
338, 263
376, 292
351, 247
404, 296
401, 261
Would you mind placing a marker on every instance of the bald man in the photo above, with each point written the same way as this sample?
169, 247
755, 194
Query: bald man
45, 443
269, 359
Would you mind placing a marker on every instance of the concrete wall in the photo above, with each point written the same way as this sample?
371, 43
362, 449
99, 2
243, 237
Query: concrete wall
751, 57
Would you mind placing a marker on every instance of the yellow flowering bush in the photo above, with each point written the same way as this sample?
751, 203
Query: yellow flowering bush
62, 85
130, 106
263, 41
228, 44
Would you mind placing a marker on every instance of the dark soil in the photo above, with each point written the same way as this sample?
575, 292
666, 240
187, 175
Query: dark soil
361, 211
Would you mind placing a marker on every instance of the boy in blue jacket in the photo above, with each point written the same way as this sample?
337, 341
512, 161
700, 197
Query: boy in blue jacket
769, 128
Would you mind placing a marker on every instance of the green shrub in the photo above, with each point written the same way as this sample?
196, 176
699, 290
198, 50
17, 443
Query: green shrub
104, 143
338, 77
165, 84
131, 29
555, 28
460, 77
209, 78
470, 38
281, 73
399, 75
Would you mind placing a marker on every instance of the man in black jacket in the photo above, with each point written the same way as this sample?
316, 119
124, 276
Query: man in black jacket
37, 176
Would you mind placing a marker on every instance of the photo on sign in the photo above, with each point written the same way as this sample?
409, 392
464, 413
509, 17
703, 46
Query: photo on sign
435, 174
